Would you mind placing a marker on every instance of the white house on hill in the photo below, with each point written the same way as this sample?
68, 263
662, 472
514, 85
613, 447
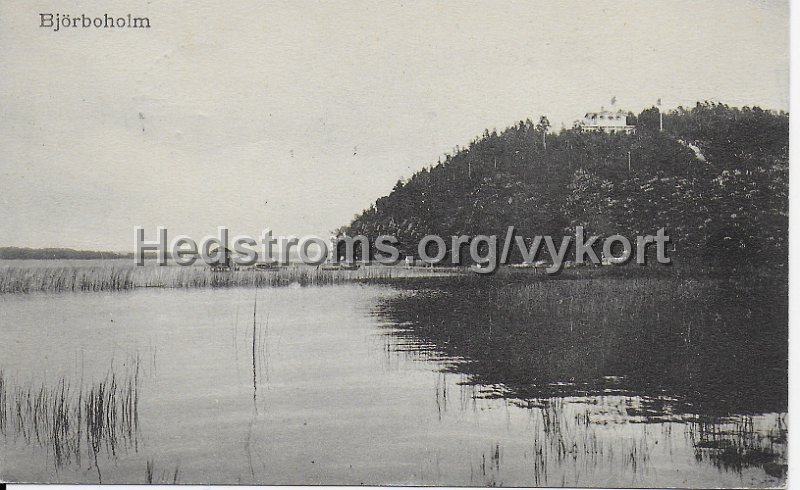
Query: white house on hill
607, 122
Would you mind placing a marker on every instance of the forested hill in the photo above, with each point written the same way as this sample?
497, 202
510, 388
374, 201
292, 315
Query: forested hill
716, 178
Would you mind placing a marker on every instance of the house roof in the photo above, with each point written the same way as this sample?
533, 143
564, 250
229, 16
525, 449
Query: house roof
606, 113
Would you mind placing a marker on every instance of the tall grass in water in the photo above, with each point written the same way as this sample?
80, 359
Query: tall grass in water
695, 337
121, 276
575, 437
734, 443
22, 279
160, 477
73, 421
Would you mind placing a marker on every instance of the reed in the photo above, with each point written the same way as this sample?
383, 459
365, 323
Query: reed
124, 276
161, 477
694, 336
738, 442
72, 421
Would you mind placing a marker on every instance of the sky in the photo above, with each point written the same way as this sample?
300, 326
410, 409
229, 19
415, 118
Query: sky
298, 115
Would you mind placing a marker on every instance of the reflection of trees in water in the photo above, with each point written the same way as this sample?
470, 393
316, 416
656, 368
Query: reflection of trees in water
695, 338
609, 369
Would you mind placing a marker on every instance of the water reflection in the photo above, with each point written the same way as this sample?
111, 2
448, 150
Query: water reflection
346, 385
717, 347
609, 381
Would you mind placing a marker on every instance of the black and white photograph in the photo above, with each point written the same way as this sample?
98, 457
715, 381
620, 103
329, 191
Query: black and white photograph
514, 243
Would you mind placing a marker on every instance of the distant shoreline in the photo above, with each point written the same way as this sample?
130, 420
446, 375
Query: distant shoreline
59, 253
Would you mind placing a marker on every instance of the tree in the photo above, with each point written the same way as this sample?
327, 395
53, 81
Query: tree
543, 127
733, 202
648, 120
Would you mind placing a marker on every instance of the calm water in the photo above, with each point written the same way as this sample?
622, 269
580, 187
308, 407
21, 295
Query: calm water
330, 392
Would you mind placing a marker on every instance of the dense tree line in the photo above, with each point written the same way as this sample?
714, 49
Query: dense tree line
716, 177
21, 253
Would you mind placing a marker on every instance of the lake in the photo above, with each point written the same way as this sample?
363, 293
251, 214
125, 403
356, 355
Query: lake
331, 386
